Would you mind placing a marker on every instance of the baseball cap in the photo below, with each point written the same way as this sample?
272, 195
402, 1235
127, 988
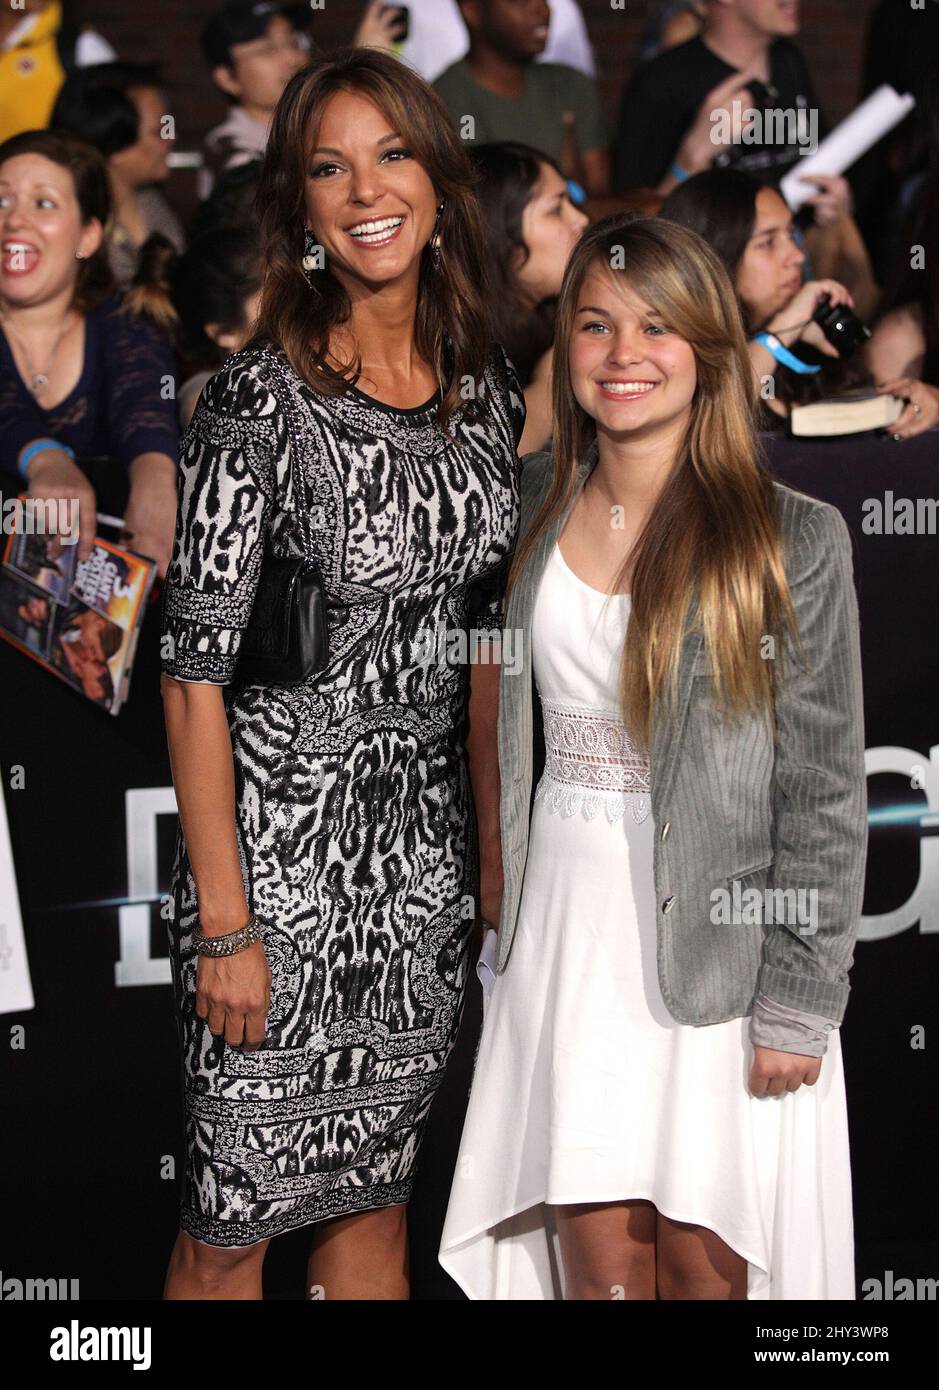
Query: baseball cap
242, 21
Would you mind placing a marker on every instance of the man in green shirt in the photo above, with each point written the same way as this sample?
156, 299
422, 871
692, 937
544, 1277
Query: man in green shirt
498, 92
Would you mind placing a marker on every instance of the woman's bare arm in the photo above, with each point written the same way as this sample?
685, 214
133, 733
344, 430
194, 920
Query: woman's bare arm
232, 992
204, 778
483, 757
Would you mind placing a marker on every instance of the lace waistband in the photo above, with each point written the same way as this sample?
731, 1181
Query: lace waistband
592, 749
592, 766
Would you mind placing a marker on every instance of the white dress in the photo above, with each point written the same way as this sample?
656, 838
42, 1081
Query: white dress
585, 1088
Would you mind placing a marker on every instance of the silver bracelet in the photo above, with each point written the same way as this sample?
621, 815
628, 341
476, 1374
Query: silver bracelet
231, 943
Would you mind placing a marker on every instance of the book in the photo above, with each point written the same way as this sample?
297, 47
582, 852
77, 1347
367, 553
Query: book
80, 619
850, 413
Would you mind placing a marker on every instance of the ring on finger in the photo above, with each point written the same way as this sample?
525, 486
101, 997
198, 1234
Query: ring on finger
918, 409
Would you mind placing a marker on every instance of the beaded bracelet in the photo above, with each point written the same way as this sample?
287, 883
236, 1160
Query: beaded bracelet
231, 943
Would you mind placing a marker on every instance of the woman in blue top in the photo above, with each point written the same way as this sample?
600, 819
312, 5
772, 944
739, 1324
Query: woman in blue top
78, 376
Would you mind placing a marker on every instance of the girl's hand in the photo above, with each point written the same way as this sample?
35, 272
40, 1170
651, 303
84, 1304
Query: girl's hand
52, 474
377, 26
921, 411
698, 150
774, 1072
792, 321
834, 199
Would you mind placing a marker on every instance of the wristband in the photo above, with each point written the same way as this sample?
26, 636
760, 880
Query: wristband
37, 446
679, 173
783, 355
577, 194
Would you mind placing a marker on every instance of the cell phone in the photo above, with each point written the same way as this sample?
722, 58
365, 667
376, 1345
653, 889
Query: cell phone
403, 24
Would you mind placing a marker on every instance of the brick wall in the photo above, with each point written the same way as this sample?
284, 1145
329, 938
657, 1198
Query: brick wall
167, 31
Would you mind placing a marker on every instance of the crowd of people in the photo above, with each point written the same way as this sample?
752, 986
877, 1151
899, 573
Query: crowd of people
101, 288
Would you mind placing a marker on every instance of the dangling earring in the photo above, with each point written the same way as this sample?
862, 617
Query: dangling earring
435, 255
311, 261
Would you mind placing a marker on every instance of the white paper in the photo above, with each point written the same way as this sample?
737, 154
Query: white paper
16, 990
486, 965
856, 134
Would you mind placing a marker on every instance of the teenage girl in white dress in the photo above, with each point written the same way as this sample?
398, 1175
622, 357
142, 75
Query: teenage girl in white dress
609, 1150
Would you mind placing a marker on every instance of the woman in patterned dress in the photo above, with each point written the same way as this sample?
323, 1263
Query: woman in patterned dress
370, 427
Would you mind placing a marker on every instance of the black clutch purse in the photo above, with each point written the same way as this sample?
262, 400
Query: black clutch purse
286, 639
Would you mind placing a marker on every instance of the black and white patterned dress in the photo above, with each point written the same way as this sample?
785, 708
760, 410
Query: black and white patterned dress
353, 802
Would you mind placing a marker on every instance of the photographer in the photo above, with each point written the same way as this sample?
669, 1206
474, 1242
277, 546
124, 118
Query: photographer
751, 229
667, 119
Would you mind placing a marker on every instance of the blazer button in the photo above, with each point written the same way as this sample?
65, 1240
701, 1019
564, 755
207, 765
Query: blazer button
668, 904
666, 828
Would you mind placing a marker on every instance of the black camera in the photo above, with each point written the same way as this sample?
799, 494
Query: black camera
841, 326
761, 94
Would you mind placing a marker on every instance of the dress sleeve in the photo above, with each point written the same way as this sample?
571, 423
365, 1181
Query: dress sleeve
819, 782
514, 395
139, 371
226, 488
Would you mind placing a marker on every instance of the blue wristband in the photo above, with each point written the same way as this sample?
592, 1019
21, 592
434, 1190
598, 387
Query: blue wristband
679, 173
783, 355
37, 446
578, 195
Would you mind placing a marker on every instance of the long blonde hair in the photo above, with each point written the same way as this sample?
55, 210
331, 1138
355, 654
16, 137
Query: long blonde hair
713, 528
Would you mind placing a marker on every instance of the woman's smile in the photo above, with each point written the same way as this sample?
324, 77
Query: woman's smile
376, 232
625, 389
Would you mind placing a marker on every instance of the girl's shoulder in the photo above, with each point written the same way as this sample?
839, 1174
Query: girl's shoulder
810, 530
796, 511
537, 472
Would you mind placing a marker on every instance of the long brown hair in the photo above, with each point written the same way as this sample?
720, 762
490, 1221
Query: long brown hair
93, 280
451, 328
713, 529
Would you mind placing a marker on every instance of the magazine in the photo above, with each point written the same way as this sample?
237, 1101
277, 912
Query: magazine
78, 619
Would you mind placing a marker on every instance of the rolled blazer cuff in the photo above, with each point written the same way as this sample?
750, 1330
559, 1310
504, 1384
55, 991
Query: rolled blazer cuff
788, 1030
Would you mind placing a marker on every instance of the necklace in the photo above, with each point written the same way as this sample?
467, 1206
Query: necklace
38, 381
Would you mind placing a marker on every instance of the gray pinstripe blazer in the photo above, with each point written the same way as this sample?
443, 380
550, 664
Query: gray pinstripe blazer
730, 806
